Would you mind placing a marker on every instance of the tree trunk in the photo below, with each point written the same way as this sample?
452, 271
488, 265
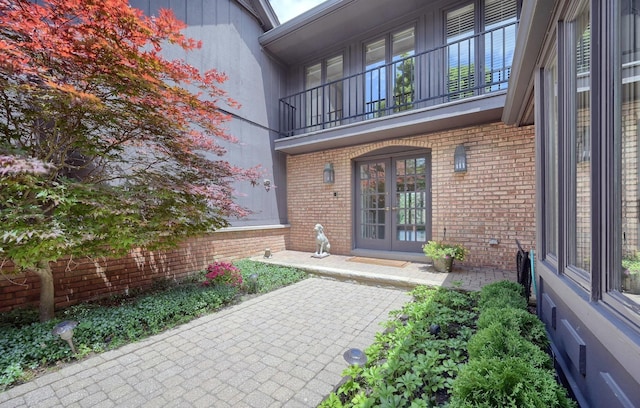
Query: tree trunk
47, 293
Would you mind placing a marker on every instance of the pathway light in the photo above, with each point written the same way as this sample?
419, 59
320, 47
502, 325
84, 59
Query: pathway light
355, 356
253, 283
65, 331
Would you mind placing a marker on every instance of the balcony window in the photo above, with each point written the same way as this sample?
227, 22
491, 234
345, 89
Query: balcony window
324, 103
467, 71
461, 51
473, 58
375, 77
403, 48
395, 84
499, 43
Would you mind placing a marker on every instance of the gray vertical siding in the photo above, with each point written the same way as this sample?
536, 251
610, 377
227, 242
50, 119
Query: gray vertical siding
229, 35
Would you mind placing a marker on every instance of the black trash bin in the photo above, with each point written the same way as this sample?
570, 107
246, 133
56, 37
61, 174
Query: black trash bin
523, 265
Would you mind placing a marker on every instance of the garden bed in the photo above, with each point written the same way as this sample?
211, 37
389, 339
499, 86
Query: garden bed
28, 348
456, 349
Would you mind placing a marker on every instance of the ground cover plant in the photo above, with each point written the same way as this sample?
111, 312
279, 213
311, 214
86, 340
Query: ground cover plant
456, 349
27, 346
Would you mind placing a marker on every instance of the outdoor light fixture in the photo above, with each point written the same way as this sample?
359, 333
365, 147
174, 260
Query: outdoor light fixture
267, 184
460, 159
253, 283
328, 175
65, 331
355, 356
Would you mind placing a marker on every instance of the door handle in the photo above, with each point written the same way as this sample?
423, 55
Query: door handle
391, 208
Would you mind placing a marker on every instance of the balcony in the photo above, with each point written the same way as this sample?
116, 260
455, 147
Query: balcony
462, 70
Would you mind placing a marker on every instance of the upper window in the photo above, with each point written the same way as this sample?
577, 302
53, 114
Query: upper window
324, 104
480, 47
389, 80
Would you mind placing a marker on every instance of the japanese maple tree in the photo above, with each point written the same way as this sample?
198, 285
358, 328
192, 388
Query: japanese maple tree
105, 144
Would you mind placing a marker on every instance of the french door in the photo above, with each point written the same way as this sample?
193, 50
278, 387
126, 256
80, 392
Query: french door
393, 202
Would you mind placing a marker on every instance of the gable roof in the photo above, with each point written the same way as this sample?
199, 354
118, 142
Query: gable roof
262, 11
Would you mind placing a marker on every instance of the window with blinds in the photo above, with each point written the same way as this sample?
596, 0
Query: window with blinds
460, 26
499, 12
499, 42
460, 23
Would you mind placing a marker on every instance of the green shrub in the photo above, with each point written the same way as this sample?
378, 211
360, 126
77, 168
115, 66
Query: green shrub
496, 341
414, 361
413, 365
503, 294
526, 324
492, 382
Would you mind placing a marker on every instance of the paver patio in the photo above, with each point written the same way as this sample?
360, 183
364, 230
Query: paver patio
282, 349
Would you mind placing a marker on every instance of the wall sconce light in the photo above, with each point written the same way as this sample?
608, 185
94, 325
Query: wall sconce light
328, 175
267, 184
460, 159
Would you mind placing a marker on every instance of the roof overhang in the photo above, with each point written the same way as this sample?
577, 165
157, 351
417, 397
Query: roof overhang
467, 112
534, 24
262, 11
332, 23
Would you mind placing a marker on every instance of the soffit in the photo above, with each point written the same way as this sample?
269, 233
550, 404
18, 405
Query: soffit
331, 23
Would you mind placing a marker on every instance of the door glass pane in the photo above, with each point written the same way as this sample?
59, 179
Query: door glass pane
460, 29
627, 278
579, 243
334, 90
403, 48
410, 200
373, 201
499, 42
551, 160
375, 87
313, 80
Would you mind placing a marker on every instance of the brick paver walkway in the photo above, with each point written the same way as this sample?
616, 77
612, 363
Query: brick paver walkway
282, 349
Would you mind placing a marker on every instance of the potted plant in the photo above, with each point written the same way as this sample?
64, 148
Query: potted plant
631, 274
443, 254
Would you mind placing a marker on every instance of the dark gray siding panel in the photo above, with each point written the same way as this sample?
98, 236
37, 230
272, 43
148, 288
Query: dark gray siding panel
574, 346
594, 349
229, 36
548, 312
613, 393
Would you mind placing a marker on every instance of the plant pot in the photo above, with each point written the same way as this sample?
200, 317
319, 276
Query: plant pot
443, 264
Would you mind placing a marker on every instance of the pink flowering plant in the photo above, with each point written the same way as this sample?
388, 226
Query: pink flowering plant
223, 273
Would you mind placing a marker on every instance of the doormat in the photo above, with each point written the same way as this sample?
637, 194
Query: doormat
376, 261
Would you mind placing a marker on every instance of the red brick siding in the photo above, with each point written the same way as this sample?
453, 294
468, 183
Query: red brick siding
495, 198
78, 280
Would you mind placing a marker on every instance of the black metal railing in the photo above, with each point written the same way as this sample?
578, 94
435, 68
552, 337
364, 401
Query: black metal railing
471, 66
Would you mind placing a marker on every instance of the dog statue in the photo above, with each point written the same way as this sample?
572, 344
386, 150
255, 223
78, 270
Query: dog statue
322, 243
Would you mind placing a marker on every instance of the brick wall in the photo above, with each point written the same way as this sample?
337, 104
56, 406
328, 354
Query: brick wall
78, 280
495, 198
